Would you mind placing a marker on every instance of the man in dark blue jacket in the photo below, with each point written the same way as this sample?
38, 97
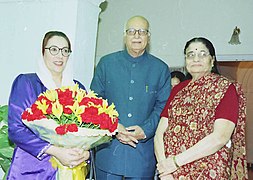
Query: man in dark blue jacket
138, 83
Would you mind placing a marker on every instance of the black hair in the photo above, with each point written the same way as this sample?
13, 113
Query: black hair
178, 74
50, 34
211, 49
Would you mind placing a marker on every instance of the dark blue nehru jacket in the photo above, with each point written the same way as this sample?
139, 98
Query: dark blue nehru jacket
139, 87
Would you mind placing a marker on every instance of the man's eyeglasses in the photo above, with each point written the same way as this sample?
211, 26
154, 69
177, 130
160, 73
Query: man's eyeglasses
54, 50
201, 55
141, 32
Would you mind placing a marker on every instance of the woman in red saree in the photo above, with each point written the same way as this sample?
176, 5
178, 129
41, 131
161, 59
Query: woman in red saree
201, 134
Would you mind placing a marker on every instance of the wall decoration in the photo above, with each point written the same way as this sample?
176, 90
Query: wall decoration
235, 37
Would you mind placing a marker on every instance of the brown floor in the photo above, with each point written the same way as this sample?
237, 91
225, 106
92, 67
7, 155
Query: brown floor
250, 171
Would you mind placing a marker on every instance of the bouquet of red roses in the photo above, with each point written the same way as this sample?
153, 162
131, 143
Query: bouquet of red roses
72, 117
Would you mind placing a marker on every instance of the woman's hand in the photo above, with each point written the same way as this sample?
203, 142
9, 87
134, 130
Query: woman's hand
158, 139
69, 156
166, 167
167, 177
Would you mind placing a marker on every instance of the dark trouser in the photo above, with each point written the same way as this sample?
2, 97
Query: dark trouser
102, 175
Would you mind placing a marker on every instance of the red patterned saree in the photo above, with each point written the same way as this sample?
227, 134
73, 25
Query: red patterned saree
191, 116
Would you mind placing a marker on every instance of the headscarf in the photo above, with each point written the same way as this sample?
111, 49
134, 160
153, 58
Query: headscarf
46, 77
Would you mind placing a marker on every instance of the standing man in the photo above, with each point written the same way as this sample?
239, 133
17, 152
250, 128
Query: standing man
139, 85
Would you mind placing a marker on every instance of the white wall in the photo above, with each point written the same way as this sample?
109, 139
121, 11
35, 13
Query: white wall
173, 22
23, 25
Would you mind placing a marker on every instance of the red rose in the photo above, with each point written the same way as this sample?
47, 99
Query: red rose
97, 101
104, 121
61, 130
67, 110
113, 125
42, 97
34, 107
90, 115
49, 109
85, 101
65, 97
72, 128
25, 115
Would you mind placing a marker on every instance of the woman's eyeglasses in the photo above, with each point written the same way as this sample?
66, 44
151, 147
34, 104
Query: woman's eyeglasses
54, 50
200, 55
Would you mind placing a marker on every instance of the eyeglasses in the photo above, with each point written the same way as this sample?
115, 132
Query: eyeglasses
54, 50
141, 32
201, 55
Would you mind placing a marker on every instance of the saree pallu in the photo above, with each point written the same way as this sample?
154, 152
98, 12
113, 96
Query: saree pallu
191, 117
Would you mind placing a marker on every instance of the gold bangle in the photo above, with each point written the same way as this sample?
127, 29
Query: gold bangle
175, 162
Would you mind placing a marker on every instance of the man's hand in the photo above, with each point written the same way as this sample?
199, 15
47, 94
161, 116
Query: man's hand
136, 132
130, 135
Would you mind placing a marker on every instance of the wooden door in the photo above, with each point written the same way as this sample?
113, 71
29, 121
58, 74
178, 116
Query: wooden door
242, 72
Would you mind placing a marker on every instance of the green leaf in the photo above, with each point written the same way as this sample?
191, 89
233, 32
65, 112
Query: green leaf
5, 142
6, 152
5, 164
6, 148
4, 114
4, 130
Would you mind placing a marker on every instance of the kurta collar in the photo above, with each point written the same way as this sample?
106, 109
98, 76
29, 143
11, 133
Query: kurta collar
137, 59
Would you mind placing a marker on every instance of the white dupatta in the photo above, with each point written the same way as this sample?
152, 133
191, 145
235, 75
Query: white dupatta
46, 77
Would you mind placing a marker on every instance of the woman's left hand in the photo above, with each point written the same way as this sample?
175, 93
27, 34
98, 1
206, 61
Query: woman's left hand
166, 167
167, 177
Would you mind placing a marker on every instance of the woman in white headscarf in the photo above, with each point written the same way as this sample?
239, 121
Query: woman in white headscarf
31, 155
